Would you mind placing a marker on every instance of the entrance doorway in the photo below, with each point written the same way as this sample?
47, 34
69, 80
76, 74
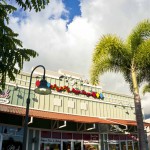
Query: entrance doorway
123, 145
66, 145
50, 146
77, 145
91, 146
130, 145
113, 146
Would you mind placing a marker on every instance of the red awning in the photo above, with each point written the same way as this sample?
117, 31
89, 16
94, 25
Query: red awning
63, 117
127, 122
52, 115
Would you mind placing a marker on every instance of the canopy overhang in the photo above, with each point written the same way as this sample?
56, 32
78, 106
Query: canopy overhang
64, 117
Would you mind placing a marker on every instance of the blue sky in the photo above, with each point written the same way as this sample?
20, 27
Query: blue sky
86, 21
73, 6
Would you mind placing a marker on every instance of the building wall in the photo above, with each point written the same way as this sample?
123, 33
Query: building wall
33, 139
112, 106
148, 132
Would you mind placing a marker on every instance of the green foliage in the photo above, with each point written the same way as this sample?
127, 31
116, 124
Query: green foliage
131, 58
12, 53
37, 5
113, 54
5, 10
138, 35
146, 89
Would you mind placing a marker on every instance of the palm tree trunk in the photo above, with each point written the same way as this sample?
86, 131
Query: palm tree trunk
138, 112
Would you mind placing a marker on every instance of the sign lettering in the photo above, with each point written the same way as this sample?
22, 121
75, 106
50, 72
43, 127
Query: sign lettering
4, 96
50, 140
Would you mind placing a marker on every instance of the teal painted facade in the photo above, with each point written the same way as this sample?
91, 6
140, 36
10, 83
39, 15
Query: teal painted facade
113, 106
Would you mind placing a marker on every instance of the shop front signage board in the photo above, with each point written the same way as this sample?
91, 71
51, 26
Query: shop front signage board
49, 140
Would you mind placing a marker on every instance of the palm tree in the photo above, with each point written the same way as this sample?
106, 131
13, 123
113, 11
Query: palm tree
146, 89
132, 59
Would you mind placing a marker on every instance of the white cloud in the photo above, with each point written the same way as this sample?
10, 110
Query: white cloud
72, 48
118, 16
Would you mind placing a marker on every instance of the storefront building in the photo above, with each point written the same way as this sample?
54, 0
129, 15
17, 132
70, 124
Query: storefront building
75, 116
148, 132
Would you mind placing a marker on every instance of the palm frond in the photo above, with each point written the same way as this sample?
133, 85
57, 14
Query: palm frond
139, 34
146, 89
98, 68
142, 56
110, 54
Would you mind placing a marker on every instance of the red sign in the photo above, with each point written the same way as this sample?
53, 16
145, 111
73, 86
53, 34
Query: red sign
66, 135
45, 134
56, 135
77, 136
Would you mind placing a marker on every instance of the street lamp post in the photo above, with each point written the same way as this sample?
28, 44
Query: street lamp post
43, 89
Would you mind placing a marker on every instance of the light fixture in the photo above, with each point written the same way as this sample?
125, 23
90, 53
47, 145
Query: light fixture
131, 108
43, 88
61, 77
31, 120
123, 107
67, 79
91, 127
81, 80
73, 82
64, 125
20, 96
35, 99
16, 87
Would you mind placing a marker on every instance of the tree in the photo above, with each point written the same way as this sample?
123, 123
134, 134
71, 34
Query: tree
146, 89
37, 5
12, 53
129, 57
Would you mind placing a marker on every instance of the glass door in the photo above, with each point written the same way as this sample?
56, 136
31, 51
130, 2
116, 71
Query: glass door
123, 145
136, 147
77, 145
11, 137
50, 146
91, 146
113, 146
130, 145
66, 145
